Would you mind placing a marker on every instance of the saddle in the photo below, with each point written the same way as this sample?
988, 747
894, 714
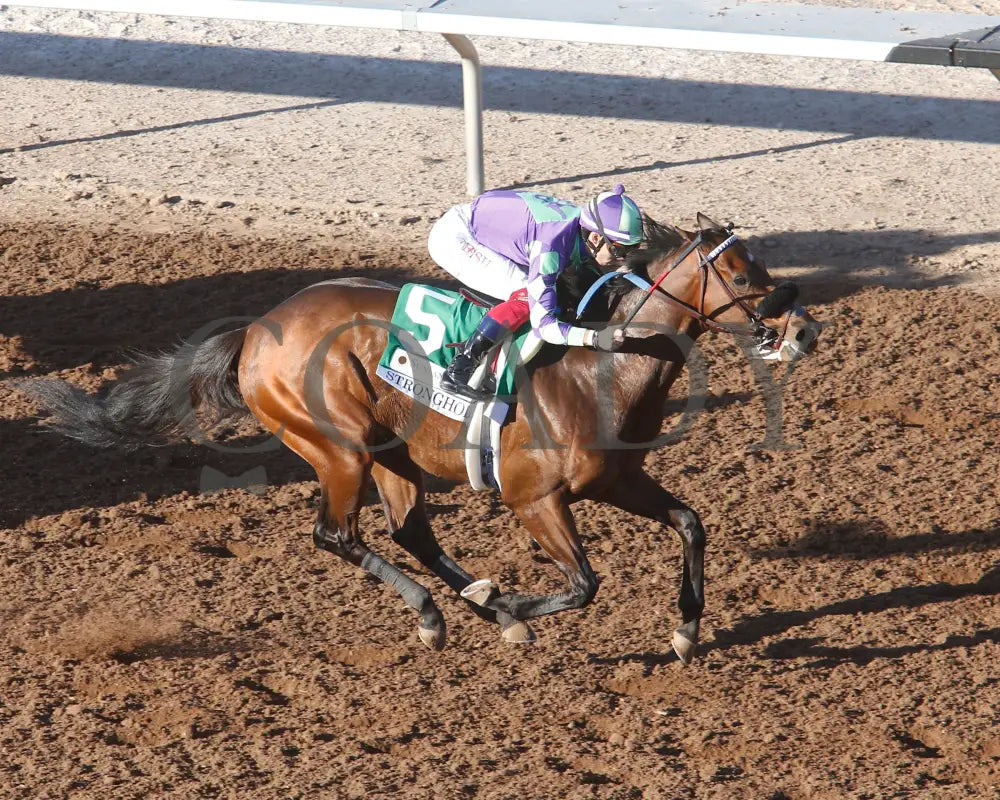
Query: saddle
481, 300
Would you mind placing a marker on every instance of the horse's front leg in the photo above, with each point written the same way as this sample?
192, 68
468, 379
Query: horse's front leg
551, 524
640, 494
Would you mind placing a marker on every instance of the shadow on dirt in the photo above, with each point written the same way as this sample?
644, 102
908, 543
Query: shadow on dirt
44, 473
831, 264
192, 644
775, 623
680, 403
871, 539
826, 656
648, 660
349, 79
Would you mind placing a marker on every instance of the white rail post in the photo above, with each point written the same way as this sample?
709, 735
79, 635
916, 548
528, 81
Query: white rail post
472, 90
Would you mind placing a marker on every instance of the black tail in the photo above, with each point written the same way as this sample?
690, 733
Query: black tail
155, 401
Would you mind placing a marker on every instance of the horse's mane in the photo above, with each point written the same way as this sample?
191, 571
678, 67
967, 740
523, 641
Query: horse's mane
658, 240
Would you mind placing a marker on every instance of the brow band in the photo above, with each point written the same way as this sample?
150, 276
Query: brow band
722, 247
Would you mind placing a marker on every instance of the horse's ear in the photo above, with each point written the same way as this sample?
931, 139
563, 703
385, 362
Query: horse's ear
706, 223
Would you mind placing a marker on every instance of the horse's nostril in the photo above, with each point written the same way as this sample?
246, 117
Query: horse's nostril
800, 336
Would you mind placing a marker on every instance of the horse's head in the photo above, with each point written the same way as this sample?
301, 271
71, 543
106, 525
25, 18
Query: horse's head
713, 277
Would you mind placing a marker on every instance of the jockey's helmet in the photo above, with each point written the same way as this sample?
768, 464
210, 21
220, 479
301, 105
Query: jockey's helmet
615, 216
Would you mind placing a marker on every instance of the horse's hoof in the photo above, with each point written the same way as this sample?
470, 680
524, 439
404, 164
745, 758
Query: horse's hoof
434, 638
518, 633
478, 592
684, 646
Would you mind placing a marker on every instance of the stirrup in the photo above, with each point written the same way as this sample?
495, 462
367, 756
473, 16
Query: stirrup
484, 394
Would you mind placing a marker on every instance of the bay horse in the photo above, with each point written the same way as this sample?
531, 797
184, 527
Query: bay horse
307, 371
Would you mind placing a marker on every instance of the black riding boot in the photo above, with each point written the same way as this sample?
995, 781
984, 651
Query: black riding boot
459, 372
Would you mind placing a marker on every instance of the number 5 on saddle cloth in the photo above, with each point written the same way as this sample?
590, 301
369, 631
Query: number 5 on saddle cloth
437, 319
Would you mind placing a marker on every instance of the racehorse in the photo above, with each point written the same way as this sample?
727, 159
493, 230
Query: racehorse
307, 371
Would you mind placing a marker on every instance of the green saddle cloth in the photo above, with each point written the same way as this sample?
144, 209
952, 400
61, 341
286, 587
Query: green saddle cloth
437, 318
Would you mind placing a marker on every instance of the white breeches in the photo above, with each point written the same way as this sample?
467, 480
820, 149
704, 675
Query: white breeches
454, 248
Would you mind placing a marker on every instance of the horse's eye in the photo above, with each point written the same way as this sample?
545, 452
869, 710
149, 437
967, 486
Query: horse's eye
740, 280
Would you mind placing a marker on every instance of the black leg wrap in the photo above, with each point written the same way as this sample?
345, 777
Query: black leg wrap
583, 588
417, 539
413, 594
348, 545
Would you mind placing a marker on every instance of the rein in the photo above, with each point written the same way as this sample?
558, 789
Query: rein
705, 263
596, 286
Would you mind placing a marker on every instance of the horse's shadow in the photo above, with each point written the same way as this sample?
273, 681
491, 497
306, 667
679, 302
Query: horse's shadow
828, 656
770, 624
45, 474
871, 539
774, 623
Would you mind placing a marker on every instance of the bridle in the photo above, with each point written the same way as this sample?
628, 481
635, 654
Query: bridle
764, 336
707, 267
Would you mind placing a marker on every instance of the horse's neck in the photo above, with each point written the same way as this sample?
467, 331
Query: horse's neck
649, 366
642, 376
644, 371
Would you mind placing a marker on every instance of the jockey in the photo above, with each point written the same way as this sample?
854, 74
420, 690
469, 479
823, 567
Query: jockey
513, 246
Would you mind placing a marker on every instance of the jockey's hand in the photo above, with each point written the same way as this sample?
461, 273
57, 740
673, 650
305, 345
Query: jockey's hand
609, 340
623, 269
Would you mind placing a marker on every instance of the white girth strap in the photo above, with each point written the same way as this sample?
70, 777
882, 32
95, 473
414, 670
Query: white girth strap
483, 434
486, 423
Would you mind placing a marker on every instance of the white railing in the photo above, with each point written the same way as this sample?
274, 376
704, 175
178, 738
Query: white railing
783, 29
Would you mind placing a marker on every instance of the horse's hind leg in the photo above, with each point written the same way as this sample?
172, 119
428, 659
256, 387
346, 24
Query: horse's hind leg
267, 381
400, 485
344, 478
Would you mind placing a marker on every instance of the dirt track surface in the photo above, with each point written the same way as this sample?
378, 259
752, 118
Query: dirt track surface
158, 639
162, 641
